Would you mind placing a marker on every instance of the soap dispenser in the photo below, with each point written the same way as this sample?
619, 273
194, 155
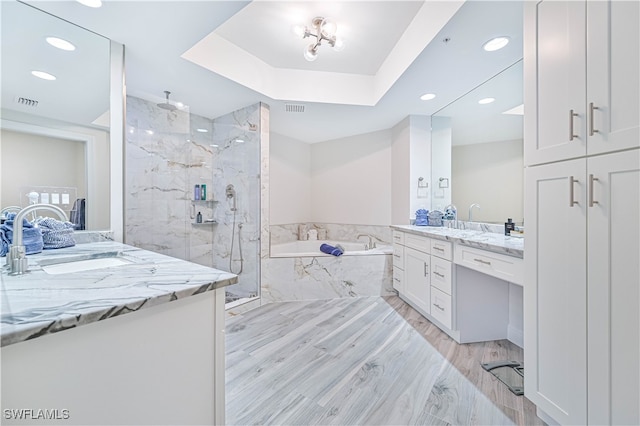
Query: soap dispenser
509, 226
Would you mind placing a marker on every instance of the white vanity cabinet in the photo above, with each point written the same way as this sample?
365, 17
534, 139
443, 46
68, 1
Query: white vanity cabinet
398, 261
585, 56
582, 207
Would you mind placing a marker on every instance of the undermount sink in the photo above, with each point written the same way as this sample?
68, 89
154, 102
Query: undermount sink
81, 263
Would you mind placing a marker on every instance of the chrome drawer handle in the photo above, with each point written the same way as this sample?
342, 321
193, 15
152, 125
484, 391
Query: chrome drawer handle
438, 248
482, 261
572, 202
438, 306
396, 279
592, 131
571, 115
438, 274
591, 200
396, 255
426, 269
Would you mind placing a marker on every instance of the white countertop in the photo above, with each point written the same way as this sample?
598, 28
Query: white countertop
38, 303
499, 243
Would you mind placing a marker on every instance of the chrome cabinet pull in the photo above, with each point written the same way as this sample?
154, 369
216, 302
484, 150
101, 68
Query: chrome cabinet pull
572, 202
592, 131
571, 116
426, 270
482, 261
396, 279
438, 248
591, 200
438, 274
438, 306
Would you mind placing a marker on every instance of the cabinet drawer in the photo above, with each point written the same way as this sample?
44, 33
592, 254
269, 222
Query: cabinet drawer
398, 237
398, 256
442, 249
441, 307
398, 279
441, 274
501, 266
422, 244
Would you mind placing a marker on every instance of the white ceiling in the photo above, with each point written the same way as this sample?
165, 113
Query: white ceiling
157, 34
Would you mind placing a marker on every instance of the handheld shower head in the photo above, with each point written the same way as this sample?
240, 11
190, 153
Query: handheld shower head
231, 193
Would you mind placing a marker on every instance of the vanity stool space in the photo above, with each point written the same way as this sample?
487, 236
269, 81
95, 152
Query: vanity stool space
468, 283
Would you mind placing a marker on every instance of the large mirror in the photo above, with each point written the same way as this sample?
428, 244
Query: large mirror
477, 151
55, 131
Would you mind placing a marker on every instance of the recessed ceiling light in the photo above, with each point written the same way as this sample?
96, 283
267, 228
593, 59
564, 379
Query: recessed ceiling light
60, 43
179, 104
238, 140
486, 101
43, 75
149, 132
90, 3
427, 96
496, 43
202, 130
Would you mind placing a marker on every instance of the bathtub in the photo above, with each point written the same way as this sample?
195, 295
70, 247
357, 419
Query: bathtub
298, 270
312, 249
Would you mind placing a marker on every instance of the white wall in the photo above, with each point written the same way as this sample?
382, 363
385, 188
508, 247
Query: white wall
490, 174
400, 173
33, 160
351, 180
290, 180
420, 162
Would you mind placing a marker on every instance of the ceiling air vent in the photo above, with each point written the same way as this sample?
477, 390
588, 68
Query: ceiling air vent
294, 107
26, 102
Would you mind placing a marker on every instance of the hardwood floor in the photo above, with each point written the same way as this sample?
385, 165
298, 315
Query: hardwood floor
361, 361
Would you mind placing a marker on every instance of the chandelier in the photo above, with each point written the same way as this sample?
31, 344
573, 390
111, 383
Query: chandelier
323, 30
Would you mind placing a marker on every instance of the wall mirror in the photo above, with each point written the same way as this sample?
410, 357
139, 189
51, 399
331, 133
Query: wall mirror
477, 151
57, 137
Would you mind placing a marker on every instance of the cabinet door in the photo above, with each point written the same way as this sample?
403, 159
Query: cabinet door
555, 72
417, 284
613, 67
613, 294
555, 305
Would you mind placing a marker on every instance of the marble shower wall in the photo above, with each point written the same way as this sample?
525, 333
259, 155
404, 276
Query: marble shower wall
166, 156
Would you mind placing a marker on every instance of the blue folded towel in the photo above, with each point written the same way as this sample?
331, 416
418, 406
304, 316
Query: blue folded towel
31, 236
56, 234
326, 248
422, 218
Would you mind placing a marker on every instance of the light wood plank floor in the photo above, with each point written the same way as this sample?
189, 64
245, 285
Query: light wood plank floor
361, 361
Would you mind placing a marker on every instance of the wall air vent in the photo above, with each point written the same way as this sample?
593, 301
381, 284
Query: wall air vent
294, 107
26, 102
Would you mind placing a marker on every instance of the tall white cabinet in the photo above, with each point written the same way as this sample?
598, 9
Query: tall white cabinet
582, 208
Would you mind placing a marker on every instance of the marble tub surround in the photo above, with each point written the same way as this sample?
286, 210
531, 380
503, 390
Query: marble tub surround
333, 231
496, 242
326, 277
83, 237
38, 303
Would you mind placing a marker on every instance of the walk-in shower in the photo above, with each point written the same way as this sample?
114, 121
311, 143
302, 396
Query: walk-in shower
167, 154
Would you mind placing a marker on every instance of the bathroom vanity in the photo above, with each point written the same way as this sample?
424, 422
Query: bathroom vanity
468, 283
137, 342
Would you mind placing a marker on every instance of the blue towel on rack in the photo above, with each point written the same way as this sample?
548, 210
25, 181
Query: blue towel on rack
329, 249
56, 234
31, 236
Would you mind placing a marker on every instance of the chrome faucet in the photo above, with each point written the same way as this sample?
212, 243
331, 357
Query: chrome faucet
371, 243
471, 210
9, 209
17, 256
454, 209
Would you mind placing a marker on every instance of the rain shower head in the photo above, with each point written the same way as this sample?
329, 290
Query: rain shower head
166, 105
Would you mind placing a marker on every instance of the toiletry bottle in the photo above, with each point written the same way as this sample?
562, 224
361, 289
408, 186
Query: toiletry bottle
509, 226
203, 192
196, 192
199, 218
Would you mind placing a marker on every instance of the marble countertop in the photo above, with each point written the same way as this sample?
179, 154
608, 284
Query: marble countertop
499, 243
38, 303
